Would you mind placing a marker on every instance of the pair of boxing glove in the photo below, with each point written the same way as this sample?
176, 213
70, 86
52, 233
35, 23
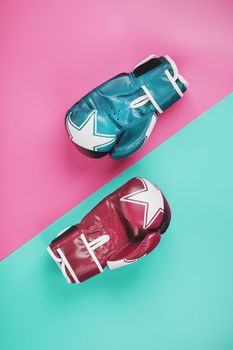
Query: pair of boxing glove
117, 118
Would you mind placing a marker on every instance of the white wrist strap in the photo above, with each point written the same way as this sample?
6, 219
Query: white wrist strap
91, 246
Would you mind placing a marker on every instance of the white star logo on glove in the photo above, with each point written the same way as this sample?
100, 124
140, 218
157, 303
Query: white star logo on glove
151, 198
86, 134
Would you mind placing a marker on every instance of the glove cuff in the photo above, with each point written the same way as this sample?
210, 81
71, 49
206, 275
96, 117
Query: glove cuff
76, 258
161, 82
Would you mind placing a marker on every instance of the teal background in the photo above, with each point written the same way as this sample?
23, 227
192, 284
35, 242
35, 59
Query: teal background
179, 297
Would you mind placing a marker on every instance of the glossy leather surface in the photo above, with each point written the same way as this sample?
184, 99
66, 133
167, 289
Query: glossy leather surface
124, 226
108, 120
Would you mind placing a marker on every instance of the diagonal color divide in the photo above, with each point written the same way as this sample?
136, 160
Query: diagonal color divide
179, 297
53, 55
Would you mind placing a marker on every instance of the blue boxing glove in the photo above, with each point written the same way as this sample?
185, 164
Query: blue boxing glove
119, 115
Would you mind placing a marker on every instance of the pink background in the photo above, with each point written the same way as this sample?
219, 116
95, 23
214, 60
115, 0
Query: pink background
53, 52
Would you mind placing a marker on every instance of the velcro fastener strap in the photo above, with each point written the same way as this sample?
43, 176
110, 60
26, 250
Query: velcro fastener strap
65, 233
150, 63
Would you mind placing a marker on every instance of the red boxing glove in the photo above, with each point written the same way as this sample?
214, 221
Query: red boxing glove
124, 227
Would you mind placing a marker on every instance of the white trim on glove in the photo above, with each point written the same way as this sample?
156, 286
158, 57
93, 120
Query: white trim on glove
151, 98
94, 245
59, 263
173, 82
151, 126
67, 265
175, 70
118, 263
